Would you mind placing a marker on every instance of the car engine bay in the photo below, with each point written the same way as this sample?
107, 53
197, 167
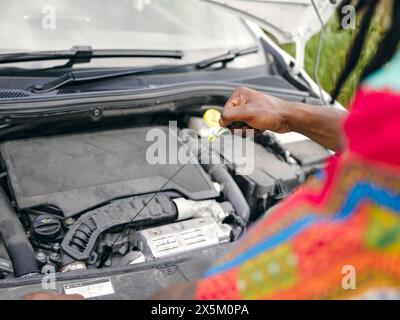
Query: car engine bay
90, 199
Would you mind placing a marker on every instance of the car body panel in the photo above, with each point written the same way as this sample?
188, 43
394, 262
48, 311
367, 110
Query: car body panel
286, 20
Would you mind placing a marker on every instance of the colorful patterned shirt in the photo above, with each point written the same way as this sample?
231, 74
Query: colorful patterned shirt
337, 236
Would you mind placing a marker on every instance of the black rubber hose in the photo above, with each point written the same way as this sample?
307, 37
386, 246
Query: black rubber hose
211, 162
17, 244
231, 190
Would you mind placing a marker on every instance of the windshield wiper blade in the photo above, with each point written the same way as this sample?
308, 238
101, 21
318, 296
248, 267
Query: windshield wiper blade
84, 54
73, 77
227, 57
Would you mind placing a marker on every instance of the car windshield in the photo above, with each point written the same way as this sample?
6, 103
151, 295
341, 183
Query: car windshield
193, 26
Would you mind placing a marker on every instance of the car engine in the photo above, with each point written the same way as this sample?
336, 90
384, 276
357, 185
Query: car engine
91, 199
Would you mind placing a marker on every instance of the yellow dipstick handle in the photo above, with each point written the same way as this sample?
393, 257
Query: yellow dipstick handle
211, 119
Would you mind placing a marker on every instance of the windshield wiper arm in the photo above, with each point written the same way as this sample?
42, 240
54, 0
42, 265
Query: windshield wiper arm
227, 57
87, 76
84, 54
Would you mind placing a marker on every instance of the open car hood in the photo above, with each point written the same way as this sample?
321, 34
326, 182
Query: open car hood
286, 20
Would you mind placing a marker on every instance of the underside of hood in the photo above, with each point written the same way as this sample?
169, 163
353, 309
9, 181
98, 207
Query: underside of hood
286, 20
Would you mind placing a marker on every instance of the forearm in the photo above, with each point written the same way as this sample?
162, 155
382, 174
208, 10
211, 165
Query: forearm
264, 112
319, 123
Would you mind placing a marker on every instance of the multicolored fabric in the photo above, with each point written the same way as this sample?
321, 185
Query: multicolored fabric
341, 229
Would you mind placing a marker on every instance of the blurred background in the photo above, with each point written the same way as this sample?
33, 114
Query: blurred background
335, 47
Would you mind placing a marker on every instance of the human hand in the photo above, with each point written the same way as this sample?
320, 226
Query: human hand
250, 109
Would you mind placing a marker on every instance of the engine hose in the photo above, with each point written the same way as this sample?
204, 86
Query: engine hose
16, 242
231, 190
211, 162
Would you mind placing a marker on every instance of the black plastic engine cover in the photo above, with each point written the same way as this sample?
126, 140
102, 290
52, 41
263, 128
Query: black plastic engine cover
79, 171
308, 152
268, 171
271, 178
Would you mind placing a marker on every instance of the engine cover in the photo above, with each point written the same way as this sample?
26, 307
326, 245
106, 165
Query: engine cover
79, 171
180, 237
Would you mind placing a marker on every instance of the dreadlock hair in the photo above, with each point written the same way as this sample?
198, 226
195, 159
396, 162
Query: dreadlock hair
387, 46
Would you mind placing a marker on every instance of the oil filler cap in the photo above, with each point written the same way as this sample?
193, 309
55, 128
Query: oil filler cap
46, 227
211, 118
